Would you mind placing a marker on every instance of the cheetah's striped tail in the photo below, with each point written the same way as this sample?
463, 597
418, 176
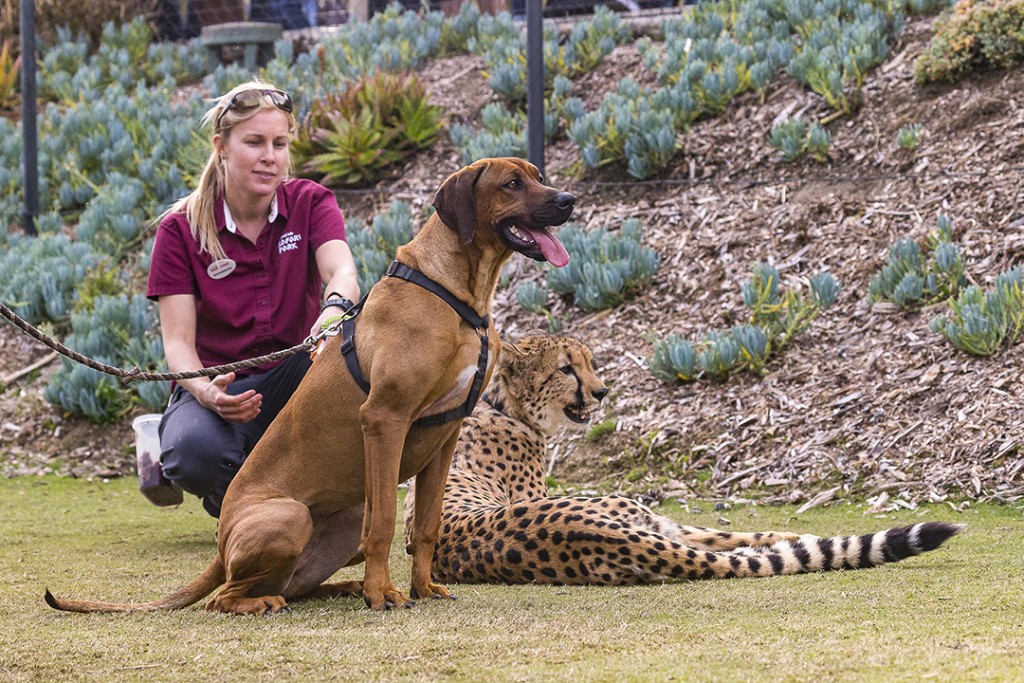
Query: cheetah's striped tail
812, 553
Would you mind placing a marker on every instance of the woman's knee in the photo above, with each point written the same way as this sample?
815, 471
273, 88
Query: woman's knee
201, 463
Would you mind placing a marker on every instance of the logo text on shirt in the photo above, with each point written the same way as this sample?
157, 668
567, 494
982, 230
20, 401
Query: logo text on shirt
288, 242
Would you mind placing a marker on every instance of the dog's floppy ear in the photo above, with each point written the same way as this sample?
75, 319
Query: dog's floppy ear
455, 201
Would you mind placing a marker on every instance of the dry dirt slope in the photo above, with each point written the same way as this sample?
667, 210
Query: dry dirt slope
868, 404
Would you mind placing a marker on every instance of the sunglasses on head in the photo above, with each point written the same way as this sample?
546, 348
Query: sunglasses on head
250, 99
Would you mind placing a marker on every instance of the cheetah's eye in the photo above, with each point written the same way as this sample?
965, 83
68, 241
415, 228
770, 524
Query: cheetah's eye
565, 369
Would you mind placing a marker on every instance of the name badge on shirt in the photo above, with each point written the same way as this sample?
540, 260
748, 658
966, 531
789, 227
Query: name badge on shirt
221, 268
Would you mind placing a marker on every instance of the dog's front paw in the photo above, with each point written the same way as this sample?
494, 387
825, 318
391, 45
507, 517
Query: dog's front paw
431, 590
387, 599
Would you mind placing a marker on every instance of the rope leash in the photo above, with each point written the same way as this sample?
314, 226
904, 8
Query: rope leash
137, 375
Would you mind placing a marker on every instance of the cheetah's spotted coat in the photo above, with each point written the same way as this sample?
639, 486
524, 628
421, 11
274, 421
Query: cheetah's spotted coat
500, 526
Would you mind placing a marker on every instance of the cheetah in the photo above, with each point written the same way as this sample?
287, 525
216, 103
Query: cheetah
499, 525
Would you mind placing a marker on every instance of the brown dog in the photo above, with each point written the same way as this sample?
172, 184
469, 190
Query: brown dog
292, 516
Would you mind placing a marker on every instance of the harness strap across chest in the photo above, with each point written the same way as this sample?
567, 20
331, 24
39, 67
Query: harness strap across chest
465, 311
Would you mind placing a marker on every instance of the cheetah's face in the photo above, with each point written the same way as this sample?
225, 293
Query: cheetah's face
554, 380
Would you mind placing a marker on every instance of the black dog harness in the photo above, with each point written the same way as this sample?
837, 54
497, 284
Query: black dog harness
404, 272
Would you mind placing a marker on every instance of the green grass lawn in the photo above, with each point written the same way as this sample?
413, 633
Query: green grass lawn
956, 614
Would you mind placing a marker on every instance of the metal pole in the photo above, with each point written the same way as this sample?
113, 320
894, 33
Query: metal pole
535, 81
30, 148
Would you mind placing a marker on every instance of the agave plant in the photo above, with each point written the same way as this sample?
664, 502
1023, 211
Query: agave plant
362, 133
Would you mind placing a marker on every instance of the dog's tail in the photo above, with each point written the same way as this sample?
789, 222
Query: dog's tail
203, 585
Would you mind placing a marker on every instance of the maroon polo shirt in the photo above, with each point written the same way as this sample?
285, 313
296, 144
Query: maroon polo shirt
271, 298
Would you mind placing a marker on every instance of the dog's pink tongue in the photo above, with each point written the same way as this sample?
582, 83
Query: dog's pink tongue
552, 249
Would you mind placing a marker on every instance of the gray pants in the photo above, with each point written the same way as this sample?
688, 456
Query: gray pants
201, 452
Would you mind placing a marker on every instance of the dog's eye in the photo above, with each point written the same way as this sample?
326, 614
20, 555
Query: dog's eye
513, 184
565, 369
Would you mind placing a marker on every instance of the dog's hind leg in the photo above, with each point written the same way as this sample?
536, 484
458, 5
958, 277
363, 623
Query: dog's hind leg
340, 589
261, 551
334, 544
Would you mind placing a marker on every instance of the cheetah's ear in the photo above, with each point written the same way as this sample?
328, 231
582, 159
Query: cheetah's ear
511, 355
511, 349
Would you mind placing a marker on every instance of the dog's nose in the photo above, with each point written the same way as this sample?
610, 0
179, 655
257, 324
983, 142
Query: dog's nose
565, 200
599, 394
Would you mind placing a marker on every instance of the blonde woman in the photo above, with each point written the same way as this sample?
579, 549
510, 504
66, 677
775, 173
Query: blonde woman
249, 263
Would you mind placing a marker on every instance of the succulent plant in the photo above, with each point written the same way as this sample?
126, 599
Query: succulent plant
776, 317
674, 358
909, 137
375, 245
909, 278
118, 331
39, 276
980, 322
604, 268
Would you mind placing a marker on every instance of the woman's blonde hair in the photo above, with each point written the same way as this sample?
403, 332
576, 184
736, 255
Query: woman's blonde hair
198, 206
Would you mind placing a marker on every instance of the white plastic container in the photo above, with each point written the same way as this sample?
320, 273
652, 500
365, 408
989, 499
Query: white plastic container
154, 486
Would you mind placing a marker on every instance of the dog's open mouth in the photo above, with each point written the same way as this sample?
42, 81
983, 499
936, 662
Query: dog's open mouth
577, 414
536, 243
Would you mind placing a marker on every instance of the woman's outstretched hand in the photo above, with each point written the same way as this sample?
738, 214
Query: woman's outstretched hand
233, 408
